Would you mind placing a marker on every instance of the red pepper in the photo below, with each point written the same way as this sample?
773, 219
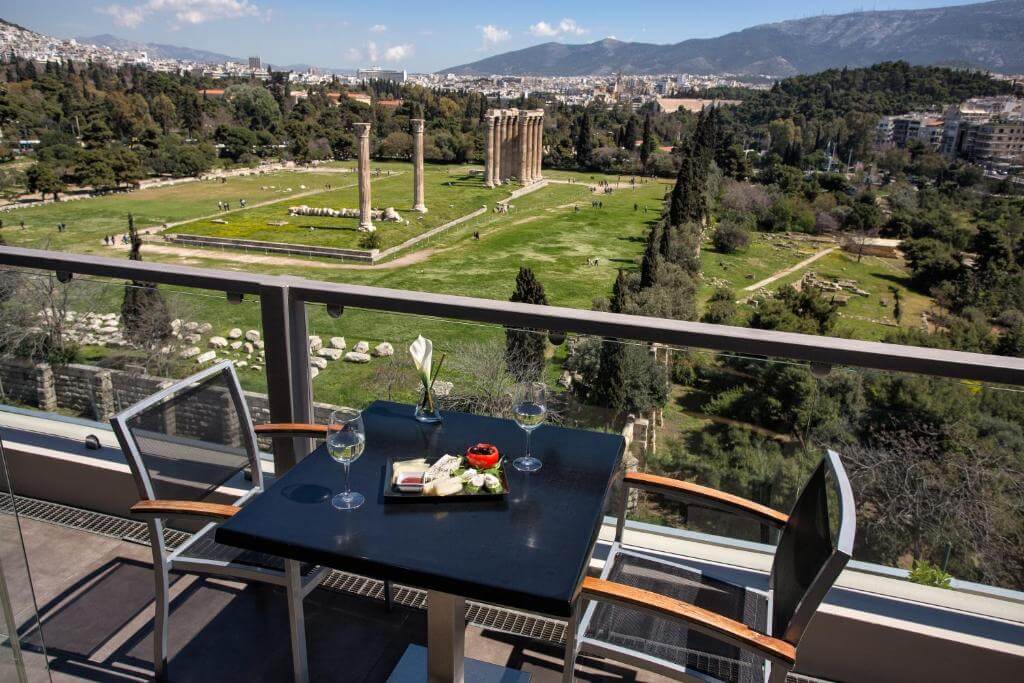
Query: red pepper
483, 456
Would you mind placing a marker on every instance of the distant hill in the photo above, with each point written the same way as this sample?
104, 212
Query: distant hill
987, 36
160, 50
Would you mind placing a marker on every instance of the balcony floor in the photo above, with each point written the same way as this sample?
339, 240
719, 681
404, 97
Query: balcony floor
95, 597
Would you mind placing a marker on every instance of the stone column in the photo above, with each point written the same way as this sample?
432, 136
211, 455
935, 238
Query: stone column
489, 154
417, 166
363, 133
524, 148
539, 148
496, 165
531, 158
506, 153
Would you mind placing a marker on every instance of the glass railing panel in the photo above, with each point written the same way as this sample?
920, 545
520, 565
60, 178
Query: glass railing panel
90, 347
22, 647
937, 469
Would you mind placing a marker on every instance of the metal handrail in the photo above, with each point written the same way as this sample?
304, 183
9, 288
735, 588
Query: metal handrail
283, 299
793, 346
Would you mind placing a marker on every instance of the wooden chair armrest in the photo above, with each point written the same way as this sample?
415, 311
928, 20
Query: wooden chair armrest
706, 496
291, 429
182, 508
711, 623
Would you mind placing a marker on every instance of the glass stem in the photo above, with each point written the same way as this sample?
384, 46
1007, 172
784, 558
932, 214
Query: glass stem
528, 443
348, 489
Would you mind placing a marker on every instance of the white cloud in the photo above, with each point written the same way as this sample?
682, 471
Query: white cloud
182, 12
372, 53
378, 28
566, 27
129, 17
570, 27
543, 29
397, 53
493, 35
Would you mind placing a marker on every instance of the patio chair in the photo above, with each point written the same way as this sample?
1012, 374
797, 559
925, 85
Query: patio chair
182, 444
659, 614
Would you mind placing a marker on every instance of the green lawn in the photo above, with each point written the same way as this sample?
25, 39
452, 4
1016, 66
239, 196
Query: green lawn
544, 231
765, 255
88, 220
866, 317
450, 191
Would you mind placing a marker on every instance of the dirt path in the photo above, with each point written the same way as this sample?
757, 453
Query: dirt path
789, 271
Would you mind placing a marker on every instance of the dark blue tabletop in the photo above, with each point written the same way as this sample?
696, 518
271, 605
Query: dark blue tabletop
528, 551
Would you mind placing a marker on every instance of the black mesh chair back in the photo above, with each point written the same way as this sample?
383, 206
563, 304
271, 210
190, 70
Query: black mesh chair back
187, 440
810, 556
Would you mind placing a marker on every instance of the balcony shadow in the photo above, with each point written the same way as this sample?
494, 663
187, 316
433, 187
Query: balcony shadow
219, 630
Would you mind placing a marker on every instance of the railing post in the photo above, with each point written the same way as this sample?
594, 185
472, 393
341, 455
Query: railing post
289, 393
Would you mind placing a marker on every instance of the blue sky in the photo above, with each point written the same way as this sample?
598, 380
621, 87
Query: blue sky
425, 35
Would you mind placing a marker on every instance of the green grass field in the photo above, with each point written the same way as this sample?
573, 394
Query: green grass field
88, 220
555, 231
454, 191
866, 317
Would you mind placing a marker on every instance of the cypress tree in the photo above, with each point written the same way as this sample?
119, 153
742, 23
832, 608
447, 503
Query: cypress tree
144, 312
584, 142
652, 254
524, 348
620, 293
647, 145
629, 134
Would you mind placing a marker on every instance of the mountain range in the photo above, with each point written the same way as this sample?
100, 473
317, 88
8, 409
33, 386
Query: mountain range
988, 36
159, 50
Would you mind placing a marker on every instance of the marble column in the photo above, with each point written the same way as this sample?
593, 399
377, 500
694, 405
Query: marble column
363, 133
509, 152
417, 166
524, 149
489, 154
539, 148
531, 152
496, 164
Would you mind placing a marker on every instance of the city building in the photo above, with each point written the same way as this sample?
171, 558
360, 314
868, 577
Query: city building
996, 141
378, 74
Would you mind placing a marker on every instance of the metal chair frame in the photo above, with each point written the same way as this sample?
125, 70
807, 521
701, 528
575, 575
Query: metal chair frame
576, 641
296, 585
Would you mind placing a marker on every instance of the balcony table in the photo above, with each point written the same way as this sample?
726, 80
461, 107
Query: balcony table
529, 551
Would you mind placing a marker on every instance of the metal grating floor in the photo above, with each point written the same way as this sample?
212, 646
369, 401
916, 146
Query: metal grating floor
485, 616
134, 531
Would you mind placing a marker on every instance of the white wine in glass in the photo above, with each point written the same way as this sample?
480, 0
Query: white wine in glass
346, 441
529, 406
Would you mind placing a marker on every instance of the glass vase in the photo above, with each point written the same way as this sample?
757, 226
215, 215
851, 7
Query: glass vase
427, 409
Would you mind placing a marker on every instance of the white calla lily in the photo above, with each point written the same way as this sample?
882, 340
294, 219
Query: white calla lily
422, 352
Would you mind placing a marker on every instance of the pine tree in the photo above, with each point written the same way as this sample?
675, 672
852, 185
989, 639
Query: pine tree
524, 348
144, 312
647, 145
584, 142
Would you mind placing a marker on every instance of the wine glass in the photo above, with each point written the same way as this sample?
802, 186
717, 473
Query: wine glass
346, 440
529, 405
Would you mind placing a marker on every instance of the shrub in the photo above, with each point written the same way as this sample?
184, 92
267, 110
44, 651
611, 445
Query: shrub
371, 240
730, 238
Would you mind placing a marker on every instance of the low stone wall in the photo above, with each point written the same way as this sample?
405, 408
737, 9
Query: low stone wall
428, 234
516, 194
100, 393
360, 255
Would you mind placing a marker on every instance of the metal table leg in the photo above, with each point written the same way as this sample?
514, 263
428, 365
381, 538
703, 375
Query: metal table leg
446, 637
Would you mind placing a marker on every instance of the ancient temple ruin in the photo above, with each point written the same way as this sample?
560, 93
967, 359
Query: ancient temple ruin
514, 140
